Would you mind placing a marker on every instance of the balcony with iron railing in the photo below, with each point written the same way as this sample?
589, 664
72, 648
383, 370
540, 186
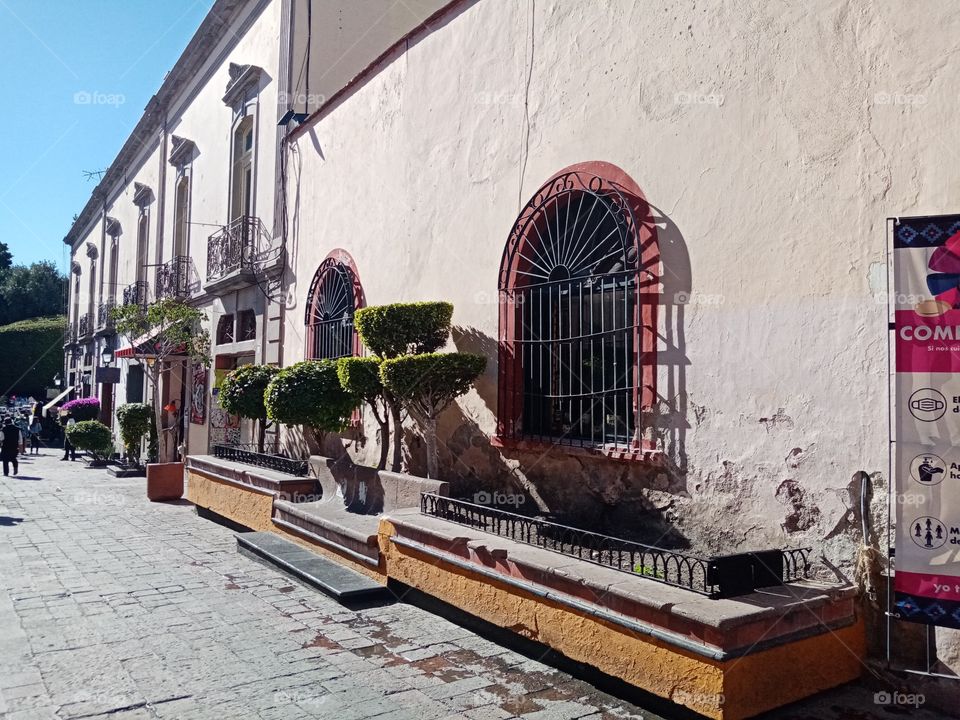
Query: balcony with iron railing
84, 327
173, 279
136, 293
105, 316
238, 253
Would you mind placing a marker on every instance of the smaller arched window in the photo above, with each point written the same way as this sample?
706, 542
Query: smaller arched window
335, 294
181, 223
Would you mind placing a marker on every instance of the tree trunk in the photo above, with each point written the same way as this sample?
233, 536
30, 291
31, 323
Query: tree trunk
397, 435
261, 433
430, 439
162, 455
384, 441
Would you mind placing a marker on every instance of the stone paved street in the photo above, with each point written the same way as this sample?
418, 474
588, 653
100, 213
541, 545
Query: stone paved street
111, 606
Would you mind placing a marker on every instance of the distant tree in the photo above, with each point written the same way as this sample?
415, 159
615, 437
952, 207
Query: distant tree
241, 393
6, 257
31, 291
32, 353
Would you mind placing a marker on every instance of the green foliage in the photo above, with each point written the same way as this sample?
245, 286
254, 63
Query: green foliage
431, 381
32, 352
402, 328
6, 259
92, 436
241, 392
172, 326
309, 393
135, 420
34, 291
360, 376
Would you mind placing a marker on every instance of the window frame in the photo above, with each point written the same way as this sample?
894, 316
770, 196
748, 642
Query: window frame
617, 190
338, 266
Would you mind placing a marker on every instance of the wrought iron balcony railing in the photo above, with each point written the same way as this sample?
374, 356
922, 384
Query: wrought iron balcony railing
136, 293
173, 279
236, 246
83, 326
105, 315
70, 336
716, 576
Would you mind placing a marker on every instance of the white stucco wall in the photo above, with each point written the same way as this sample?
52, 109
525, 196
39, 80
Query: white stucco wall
773, 141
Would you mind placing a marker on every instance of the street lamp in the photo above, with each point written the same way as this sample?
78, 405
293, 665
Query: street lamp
106, 355
57, 380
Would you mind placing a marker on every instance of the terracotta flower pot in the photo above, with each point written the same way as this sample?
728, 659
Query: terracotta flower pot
165, 481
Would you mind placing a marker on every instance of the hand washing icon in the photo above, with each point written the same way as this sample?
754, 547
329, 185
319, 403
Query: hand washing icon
927, 405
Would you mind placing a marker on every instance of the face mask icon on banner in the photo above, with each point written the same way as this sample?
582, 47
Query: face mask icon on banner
928, 405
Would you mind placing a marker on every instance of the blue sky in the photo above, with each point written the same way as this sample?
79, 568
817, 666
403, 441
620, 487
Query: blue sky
76, 77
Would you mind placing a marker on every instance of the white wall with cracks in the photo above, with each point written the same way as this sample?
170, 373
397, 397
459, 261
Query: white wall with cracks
772, 139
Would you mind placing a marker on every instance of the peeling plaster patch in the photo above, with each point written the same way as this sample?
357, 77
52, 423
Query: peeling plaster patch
776, 420
699, 412
802, 516
797, 456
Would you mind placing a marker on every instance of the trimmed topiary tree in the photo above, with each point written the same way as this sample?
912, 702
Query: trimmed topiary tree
427, 384
81, 409
397, 329
360, 376
309, 393
242, 391
94, 437
135, 421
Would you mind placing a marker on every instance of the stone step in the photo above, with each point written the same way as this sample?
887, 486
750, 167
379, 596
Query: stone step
342, 584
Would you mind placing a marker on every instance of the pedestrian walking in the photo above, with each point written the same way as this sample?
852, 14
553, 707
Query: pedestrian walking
69, 451
9, 446
35, 429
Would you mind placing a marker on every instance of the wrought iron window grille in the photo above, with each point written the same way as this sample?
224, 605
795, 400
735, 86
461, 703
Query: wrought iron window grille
329, 316
715, 577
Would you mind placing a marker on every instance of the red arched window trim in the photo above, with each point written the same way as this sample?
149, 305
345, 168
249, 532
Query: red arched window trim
337, 261
614, 184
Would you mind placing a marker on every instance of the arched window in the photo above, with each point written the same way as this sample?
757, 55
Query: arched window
143, 239
335, 294
579, 283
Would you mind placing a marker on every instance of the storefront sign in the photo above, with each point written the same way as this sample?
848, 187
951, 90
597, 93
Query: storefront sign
108, 375
927, 344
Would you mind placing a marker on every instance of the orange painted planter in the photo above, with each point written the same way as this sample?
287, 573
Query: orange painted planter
165, 481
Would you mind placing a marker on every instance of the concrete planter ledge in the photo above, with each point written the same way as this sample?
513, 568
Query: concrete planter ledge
726, 659
762, 618
333, 526
278, 483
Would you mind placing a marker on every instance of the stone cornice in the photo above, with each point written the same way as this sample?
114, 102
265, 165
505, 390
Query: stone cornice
91, 251
142, 195
182, 152
243, 78
112, 226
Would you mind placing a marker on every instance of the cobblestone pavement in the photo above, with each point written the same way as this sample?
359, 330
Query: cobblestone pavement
111, 606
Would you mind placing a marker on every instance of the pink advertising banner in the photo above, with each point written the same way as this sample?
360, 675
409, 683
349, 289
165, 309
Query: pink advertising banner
927, 463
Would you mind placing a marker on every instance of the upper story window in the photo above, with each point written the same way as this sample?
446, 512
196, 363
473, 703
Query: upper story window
247, 320
578, 288
181, 217
143, 246
334, 295
225, 329
241, 202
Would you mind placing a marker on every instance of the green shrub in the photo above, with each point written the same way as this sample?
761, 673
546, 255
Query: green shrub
309, 393
402, 328
135, 421
32, 352
242, 391
429, 383
92, 436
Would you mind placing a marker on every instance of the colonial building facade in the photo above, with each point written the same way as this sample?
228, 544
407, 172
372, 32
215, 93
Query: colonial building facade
666, 234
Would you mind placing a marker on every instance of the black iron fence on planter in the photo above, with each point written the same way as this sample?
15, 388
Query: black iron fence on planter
716, 577
247, 454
